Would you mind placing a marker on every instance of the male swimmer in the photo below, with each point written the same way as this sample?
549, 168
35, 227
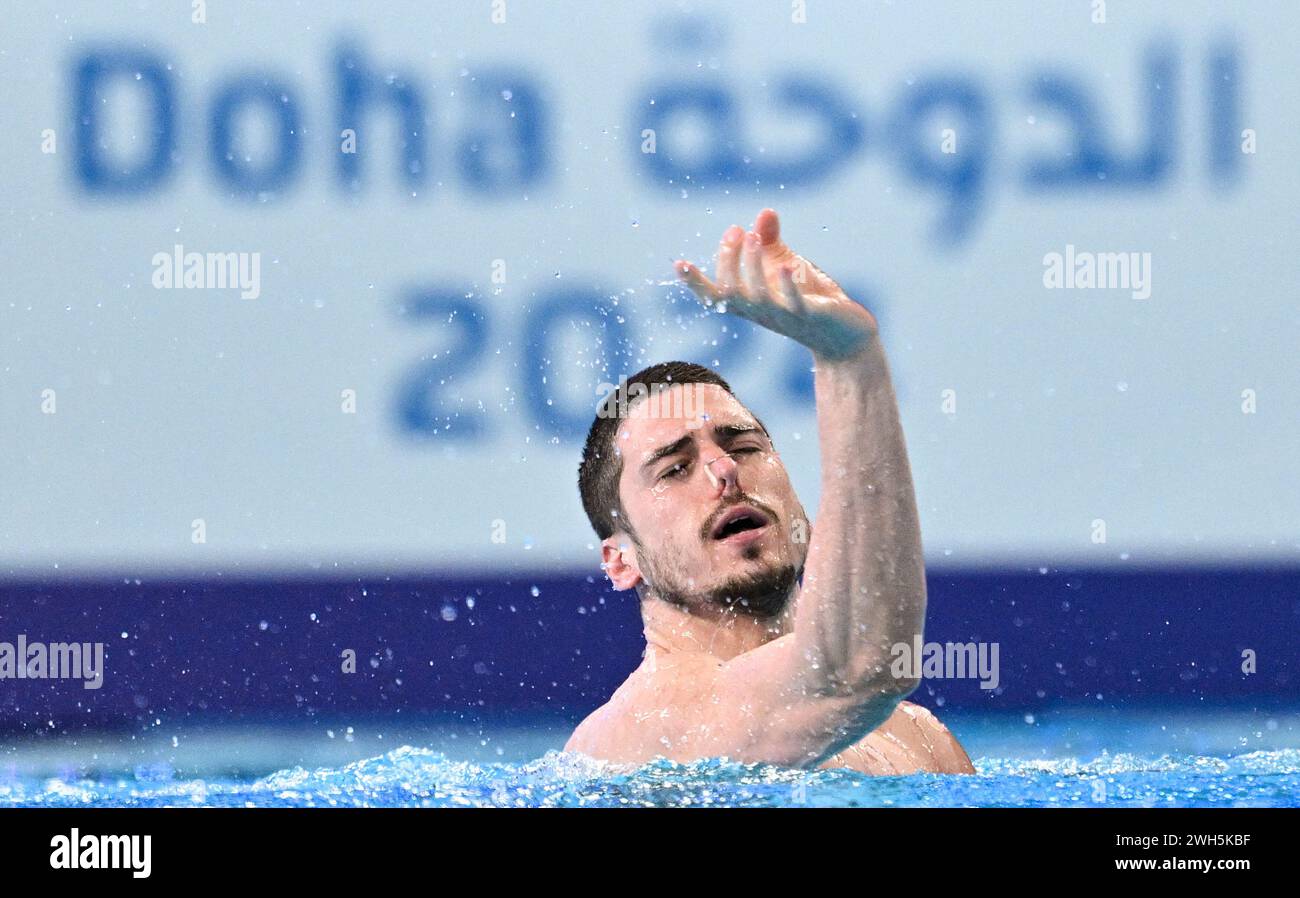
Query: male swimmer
766, 641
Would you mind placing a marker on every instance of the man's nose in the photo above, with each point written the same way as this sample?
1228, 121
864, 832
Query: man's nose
723, 474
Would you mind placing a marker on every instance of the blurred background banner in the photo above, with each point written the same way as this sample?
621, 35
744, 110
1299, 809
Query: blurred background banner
461, 221
327, 293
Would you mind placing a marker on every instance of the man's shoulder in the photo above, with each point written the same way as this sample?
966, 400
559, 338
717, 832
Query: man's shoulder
938, 741
651, 693
917, 717
594, 735
917, 712
583, 738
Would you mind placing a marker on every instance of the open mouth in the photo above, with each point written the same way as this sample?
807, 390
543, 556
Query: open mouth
740, 519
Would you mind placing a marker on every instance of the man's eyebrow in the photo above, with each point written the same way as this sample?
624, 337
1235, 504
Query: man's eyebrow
664, 451
735, 430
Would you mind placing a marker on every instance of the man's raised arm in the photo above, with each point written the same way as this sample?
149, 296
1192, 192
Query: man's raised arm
828, 683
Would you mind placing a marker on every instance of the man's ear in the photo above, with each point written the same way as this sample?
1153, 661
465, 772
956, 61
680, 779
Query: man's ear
618, 558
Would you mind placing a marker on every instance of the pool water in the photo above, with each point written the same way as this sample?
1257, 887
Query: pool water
1066, 758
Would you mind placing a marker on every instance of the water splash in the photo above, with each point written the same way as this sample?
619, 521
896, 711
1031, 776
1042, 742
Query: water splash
423, 778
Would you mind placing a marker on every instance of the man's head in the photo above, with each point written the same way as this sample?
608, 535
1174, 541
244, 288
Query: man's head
692, 503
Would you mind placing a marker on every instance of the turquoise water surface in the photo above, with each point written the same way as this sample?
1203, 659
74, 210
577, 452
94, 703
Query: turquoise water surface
1063, 759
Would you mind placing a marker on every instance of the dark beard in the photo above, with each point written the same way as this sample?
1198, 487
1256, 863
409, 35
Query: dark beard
762, 595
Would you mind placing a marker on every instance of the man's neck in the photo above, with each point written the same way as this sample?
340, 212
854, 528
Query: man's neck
718, 632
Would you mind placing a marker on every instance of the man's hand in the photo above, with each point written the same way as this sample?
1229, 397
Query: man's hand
761, 279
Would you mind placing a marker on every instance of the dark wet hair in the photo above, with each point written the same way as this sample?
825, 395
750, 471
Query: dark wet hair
602, 466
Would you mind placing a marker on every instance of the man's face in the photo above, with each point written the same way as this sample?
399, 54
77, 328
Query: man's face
716, 520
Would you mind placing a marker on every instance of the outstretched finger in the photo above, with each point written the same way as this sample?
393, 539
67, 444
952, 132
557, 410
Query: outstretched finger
728, 271
700, 285
768, 227
754, 278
